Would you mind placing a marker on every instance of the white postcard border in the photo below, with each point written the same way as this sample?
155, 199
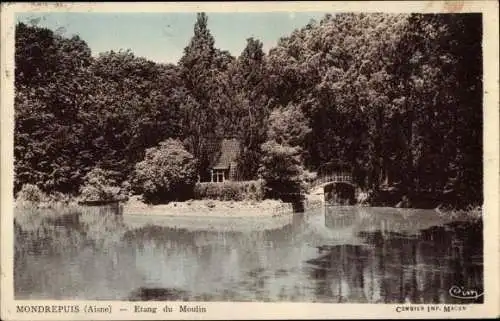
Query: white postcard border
234, 310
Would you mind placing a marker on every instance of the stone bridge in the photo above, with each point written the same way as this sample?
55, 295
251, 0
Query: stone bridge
337, 188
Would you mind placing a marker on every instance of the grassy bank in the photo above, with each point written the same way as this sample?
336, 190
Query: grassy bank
234, 199
37, 228
472, 213
209, 208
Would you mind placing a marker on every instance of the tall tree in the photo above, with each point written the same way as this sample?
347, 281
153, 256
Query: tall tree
52, 86
249, 79
200, 68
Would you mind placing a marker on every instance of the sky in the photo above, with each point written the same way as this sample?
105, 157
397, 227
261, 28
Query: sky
161, 37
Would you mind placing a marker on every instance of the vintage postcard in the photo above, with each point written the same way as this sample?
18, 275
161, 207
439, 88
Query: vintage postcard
249, 160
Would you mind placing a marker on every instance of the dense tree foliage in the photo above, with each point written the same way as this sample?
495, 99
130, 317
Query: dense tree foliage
282, 165
52, 88
249, 84
391, 97
394, 98
74, 112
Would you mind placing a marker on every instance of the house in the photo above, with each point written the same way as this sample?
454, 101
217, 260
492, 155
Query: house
224, 165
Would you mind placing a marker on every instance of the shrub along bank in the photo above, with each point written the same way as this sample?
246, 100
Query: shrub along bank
230, 191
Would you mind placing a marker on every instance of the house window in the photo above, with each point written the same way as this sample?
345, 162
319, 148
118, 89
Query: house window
220, 177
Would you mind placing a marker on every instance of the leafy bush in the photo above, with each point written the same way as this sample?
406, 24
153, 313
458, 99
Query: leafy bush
229, 191
282, 170
30, 193
168, 172
32, 196
308, 178
281, 165
100, 186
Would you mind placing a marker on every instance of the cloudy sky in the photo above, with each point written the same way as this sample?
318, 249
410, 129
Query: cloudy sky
161, 37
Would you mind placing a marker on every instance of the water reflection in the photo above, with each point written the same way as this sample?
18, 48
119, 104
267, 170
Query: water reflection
341, 254
411, 265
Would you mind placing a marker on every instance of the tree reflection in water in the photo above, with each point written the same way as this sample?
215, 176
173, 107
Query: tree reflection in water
338, 254
411, 265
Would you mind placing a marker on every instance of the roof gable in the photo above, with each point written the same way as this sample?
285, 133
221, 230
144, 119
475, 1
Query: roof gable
229, 152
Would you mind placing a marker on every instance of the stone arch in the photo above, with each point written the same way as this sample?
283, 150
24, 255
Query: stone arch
339, 193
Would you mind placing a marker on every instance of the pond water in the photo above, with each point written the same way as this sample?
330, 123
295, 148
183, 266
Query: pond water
336, 254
